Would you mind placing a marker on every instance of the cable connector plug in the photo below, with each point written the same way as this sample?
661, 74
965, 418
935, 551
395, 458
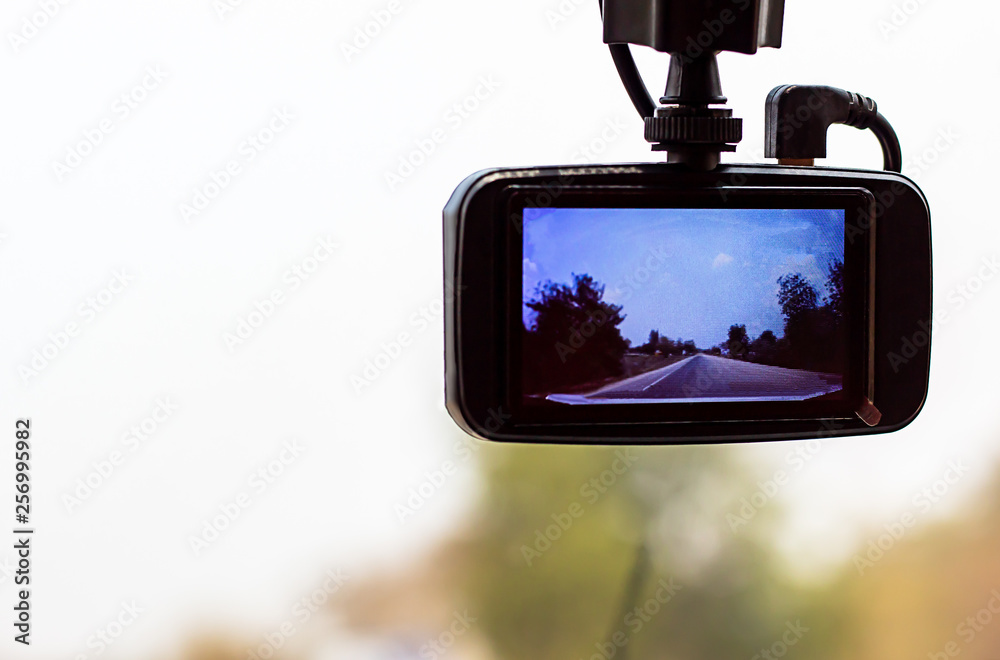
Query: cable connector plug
797, 118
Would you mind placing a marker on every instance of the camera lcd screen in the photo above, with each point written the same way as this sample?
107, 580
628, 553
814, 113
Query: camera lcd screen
683, 305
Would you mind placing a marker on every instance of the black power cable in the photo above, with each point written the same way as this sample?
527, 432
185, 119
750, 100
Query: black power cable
891, 152
631, 78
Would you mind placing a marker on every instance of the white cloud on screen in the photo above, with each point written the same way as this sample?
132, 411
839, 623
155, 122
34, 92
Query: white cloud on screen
722, 260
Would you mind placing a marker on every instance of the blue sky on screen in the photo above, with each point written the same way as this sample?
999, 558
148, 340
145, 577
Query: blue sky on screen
689, 273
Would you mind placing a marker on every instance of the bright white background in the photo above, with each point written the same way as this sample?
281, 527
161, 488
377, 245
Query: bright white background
324, 177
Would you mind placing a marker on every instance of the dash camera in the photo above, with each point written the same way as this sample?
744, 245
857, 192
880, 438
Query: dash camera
690, 301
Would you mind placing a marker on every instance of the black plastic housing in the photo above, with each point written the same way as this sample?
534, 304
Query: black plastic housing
482, 288
695, 27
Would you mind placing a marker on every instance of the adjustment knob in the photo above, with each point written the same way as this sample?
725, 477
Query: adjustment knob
694, 127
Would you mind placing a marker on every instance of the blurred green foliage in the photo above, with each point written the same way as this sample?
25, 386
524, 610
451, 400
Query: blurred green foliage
557, 541
671, 554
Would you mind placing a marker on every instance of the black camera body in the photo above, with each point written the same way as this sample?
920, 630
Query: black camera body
887, 303
690, 301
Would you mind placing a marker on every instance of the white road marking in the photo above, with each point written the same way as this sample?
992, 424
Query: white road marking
670, 370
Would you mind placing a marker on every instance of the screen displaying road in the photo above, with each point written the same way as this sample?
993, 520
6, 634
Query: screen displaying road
682, 305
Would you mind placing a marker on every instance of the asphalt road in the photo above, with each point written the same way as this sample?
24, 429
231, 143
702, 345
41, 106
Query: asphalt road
710, 378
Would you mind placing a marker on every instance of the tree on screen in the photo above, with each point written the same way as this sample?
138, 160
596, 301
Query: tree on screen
764, 349
653, 344
574, 339
814, 329
835, 287
796, 296
739, 343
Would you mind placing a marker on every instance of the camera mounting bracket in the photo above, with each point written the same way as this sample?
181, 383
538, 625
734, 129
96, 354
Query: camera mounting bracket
690, 123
